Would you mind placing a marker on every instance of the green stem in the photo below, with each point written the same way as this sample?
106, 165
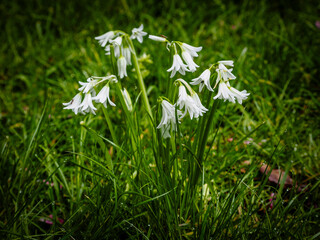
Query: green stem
113, 135
140, 80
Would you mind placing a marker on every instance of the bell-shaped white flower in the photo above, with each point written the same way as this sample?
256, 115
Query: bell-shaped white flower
225, 73
117, 44
193, 51
127, 54
229, 93
74, 104
103, 96
107, 49
227, 63
105, 38
168, 119
87, 105
177, 65
127, 99
188, 59
138, 34
157, 39
203, 80
88, 86
122, 67
192, 105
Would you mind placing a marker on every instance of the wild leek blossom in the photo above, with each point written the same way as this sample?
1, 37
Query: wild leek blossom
193, 51
168, 120
127, 99
88, 89
105, 38
138, 34
177, 65
192, 104
127, 55
225, 91
203, 80
122, 67
103, 96
157, 38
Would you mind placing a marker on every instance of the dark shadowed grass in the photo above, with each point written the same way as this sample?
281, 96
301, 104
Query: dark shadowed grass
53, 165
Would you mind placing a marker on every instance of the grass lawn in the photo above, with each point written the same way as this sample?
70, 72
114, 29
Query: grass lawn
111, 175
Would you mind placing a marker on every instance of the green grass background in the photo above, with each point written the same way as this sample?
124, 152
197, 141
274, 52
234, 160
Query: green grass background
48, 46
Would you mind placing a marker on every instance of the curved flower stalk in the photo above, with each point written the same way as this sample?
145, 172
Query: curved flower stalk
192, 104
168, 120
88, 89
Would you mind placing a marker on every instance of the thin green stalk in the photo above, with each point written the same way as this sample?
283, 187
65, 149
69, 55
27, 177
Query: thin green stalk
110, 125
140, 80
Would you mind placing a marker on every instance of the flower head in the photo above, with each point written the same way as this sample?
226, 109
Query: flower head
127, 54
225, 73
122, 66
103, 96
227, 92
105, 38
74, 104
177, 65
203, 80
193, 51
168, 119
189, 60
138, 34
88, 86
86, 105
158, 39
127, 99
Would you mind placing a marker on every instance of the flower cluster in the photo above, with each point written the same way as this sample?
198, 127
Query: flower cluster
121, 46
188, 52
77, 105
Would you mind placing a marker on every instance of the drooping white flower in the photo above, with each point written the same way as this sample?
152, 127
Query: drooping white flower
117, 44
225, 73
188, 59
107, 49
229, 93
88, 86
74, 104
227, 63
158, 39
168, 120
87, 105
122, 67
192, 104
203, 80
138, 34
103, 96
127, 54
193, 51
177, 65
127, 99
105, 38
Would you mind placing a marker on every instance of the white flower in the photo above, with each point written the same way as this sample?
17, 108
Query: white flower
168, 119
105, 38
86, 105
227, 63
103, 96
88, 86
177, 65
191, 104
191, 50
188, 59
158, 39
122, 66
116, 44
227, 92
203, 80
127, 99
225, 73
127, 54
74, 104
107, 49
138, 34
